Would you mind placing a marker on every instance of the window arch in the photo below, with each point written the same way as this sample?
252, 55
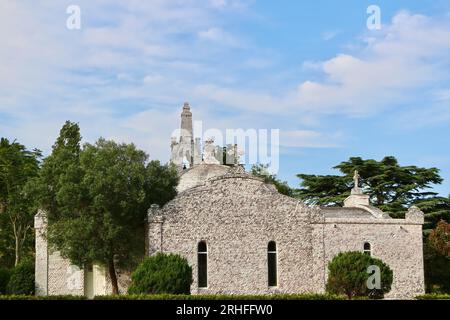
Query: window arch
367, 249
272, 264
202, 264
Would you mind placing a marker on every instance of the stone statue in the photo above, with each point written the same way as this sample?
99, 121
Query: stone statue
234, 154
356, 177
174, 148
209, 152
356, 189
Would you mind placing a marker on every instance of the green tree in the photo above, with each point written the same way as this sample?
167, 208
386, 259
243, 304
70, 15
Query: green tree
160, 183
5, 274
162, 273
392, 188
57, 188
437, 259
439, 239
260, 171
97, 197
21, 281
17, 167
435, 209
348, 274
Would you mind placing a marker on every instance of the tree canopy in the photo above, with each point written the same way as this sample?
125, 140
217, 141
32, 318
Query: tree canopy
96, 199
260, 170
437, 259
18, 166
162, 273
348, 274
392, 187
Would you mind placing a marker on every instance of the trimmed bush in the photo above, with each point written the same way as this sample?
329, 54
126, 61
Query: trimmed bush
21, 281
348, 274
222, 297
184, 297
162, 273
4, 279
434, 296
23, 297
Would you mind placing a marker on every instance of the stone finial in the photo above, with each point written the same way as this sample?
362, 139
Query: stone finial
356, 189
153, 210
209, 152
414, 214
173, 141
357, 197
40, 219
186, 106
154, 214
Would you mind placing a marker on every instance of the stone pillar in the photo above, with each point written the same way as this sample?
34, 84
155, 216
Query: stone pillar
154, 231
41, 262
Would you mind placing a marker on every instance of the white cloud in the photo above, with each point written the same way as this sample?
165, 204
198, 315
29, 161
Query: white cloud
309, 139
331, 34
245, 100
220, 36
407, 55
153, 79
137, 58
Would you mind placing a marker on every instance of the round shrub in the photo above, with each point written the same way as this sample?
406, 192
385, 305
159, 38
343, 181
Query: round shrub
162, 273
4, 279
349, 272
21, 281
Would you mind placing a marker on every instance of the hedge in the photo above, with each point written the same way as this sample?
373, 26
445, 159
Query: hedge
210, 297
183, 297
223, 297
348, 275
434, 296
21, 281
5, 274
23, 297
162, 274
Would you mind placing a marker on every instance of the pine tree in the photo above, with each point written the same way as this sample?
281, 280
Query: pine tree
392, 188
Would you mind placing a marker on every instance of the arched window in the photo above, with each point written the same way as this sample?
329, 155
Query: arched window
202, 264
272, 264
367, 248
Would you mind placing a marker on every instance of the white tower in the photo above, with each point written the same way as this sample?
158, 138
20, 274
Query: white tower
186, 148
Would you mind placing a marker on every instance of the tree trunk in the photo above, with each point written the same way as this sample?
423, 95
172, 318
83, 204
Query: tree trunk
113, 277
17, 248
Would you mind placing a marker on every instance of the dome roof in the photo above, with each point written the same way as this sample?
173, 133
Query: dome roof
199, 174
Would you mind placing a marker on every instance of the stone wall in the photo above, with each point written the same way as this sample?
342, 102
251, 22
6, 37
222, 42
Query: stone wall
54, 275
395, 241
237, 216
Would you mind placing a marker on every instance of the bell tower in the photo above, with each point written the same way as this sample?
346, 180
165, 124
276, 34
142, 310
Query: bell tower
186, 124
186, 152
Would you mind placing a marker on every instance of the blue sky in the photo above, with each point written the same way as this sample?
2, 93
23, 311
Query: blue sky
309, 68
